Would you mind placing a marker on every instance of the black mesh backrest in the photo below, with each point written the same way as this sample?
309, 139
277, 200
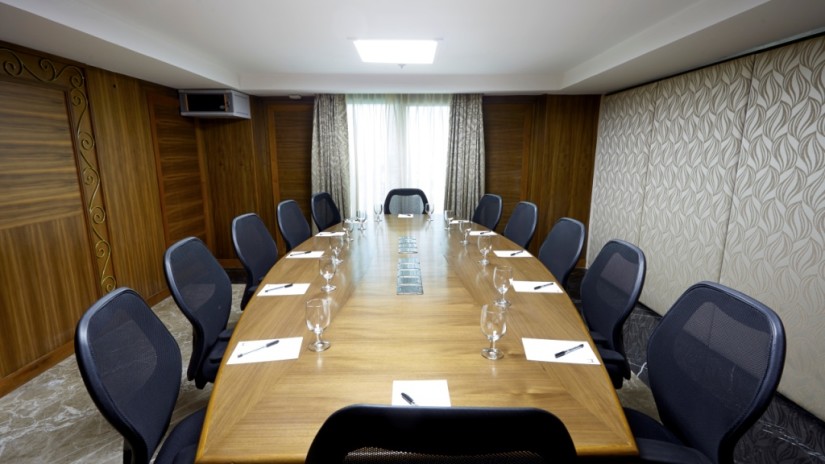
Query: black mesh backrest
256, 250
203, 292
293, 224
397, 434
325, 212
610, 289
714, 362
522, 224
488, 211
562, 248
405, 201
131, 366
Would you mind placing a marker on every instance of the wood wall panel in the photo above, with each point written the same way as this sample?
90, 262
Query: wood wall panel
289, 125
181, 170
53, 230
559, 175
127, 167
232, 178
508, 125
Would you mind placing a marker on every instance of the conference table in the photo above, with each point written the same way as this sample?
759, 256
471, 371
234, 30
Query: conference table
270, 411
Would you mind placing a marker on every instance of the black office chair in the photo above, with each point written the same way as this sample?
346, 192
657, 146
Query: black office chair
131, 366
293, 224
256, 250
562, 248
522, 223
203, 292
324, 212
714, 362
405, 201
398, 434
488, 211
610, 289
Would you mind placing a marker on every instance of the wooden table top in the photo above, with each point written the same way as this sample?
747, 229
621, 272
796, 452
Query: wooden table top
270, 412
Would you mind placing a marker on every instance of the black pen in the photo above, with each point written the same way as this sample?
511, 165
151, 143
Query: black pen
569, 350
516, 252
539, 287
408, 399
277, 288
273, 342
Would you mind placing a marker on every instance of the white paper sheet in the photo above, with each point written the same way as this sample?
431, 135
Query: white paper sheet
476, 233
423, 392
512, 253
529, 286
405, 216
329, 234
254, 351
305, 254
538, 349
281, 290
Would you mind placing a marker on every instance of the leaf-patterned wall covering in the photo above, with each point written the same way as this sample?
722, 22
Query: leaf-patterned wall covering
719, 174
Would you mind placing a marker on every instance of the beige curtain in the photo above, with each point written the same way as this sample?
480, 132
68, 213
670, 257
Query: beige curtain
330, 149
465, 155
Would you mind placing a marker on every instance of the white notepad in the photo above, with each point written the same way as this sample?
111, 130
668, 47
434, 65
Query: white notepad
281, 289
538, 349
512, 253
255, 351
422, 392
305, 254
476, 233
329, 234
529, 286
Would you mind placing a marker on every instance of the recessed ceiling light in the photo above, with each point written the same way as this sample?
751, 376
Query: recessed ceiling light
396, 51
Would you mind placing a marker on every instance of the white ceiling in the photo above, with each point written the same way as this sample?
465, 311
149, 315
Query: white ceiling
283, 47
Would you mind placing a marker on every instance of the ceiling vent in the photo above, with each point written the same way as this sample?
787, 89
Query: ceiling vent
214, 104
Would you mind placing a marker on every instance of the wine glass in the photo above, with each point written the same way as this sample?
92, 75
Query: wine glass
485, 244
361, 216
448, 217
327, 266
493, 326
378, 209
336, 244
502, 276
462, 227
428, 208
467, 229
317, 320
348, 225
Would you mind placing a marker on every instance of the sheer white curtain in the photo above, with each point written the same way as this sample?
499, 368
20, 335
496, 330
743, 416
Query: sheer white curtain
397, 141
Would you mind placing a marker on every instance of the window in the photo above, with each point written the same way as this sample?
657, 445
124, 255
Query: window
397, 141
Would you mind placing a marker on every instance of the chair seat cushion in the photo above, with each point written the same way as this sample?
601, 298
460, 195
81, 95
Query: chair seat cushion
182, 443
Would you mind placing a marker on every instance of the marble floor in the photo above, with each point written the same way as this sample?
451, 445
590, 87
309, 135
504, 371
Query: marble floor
52, 418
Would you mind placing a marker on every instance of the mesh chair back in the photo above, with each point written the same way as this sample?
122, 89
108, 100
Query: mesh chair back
256, 250
203, 292
562, 248
392, 434
714, 362
610, 289
293, 224
522, 223
325, 212
405, 201
131, 366
488, 211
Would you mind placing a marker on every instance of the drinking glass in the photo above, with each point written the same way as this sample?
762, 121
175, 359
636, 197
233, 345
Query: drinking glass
348, 225
467, 229
428, 208
378, 209
327, 266
361, 216
448, 216
493, 326
485, 244
463, 225
502, 275
317, 321
336, 244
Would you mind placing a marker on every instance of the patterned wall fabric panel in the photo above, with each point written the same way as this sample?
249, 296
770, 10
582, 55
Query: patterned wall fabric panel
621, 167
775, 250
694, 150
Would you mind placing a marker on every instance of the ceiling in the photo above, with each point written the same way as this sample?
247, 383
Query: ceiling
303, 47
